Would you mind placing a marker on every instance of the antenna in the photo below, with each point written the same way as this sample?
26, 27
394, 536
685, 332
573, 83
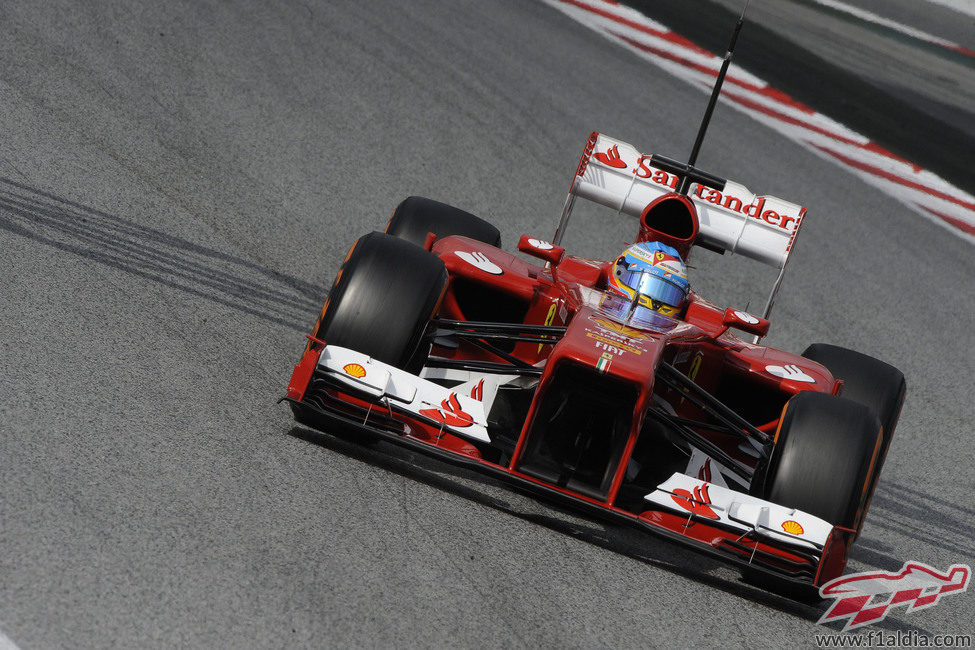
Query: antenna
688, 169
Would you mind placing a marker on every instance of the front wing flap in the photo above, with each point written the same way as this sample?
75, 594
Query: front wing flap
707, 502
462, 410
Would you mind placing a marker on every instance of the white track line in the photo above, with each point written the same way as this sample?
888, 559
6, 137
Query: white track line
961, 6
863, 14
920, 190
6, 643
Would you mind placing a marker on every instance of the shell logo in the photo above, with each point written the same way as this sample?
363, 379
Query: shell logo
354, 370
792, 527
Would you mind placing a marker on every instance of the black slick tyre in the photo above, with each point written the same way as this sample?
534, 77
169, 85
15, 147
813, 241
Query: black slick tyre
822, 463
382, 300
416, 216
824, 458
868, 381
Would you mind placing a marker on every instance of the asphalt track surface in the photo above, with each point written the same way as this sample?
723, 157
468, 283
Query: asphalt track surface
912, 97
178, 184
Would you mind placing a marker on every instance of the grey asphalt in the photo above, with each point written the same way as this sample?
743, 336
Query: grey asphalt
178, 184
933, 78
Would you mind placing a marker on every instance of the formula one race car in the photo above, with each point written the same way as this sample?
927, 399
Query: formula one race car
609, 385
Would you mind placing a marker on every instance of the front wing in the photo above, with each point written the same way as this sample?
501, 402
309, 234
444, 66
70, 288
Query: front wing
786, 544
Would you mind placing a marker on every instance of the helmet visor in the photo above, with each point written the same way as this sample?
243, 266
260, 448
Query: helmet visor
656, 287
622, 311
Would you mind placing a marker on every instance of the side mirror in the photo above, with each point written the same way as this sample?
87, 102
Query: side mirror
541, 249
742, 320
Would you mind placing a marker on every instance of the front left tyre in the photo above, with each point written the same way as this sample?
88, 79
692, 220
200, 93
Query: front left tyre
823, 462
877, 385
824, 458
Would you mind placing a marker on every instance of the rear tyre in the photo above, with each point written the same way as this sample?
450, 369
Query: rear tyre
382, 300
416, 216
868, 381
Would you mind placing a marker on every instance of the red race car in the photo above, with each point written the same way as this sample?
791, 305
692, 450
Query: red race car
609, 384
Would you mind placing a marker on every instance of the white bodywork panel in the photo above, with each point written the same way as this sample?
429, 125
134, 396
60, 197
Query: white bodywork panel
616, 175
709, 502
461, 410
707, 469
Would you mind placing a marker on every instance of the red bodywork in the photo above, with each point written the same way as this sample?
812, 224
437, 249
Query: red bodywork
703, 346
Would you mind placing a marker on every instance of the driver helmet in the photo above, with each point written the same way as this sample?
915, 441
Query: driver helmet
652, 275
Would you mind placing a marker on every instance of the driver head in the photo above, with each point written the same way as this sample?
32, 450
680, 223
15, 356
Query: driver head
653, 275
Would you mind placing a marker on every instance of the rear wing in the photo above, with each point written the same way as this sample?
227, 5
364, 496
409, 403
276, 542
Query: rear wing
731, 218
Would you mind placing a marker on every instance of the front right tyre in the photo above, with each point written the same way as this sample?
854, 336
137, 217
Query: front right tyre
382, 299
